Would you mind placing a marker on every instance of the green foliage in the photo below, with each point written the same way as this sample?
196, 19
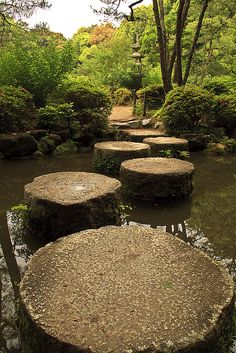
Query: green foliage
217, 86
155, 96
122, 96
174, 154
36, 66
17, 111
226, 112
188, 109
230, 144
91, 103
55, 116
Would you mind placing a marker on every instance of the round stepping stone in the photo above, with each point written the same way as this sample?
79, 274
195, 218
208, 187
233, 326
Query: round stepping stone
109, 155
137, 135
159, 144
66, 202
125, 289
157, 178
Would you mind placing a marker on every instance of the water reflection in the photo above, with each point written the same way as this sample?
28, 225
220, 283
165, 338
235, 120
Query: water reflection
207, 221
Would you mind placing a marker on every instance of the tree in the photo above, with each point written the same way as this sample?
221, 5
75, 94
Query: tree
171, 56
17, 9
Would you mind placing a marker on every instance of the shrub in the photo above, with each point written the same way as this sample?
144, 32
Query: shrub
122, 96
92, 104
56, 116
17, 111
226, 112
217, 86
155, 96
188, 109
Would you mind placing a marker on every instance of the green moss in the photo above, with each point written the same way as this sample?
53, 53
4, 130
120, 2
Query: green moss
106, 163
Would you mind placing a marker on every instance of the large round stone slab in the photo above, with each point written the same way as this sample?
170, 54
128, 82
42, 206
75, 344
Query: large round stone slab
109, 155
66, 202
157, 178
137, 135
126, 289
159, 144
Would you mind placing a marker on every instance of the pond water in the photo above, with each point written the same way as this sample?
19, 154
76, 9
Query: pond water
207, 221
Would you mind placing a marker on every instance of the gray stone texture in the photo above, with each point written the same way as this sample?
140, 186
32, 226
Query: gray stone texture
109, 155
17, 145
159, 144
137, 135
126, 290
156, 178
66, 202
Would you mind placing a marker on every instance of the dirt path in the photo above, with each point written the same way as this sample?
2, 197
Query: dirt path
122, 114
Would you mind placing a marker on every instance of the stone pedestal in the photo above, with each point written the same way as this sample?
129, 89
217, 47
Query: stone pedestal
159, 144
156, 178
109, 155
63, 203
125, 289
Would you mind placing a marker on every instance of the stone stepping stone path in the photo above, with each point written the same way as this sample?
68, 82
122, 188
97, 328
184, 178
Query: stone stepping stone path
156, 178
137, 135
66, 202
109, 155
125, 289
159, 144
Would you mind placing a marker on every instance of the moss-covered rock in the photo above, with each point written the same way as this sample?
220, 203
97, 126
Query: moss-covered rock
67, 147
46, 145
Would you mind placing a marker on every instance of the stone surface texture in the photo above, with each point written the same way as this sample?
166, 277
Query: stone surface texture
17, 145
109, 155
158, 144
157, 178
137, 135
66, 202
126, 290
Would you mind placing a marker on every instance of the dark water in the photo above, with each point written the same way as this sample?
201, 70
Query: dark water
207, 220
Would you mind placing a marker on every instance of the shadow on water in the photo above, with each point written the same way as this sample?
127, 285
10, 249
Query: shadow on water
206, 221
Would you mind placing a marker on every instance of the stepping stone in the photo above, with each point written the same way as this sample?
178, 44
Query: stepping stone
137, 135
156, 178
62, 203
125, 289
159, 144
109, 155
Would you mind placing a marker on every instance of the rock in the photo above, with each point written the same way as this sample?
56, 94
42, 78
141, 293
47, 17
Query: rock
159, 144
125, 289
109, 155
37, 134
120, 125
64, 134
46, 145
17, 145
160, 126
135, 124
146, 122
68, 147
197, 142
156, 178
56, 138
137, 135
217, 149
37, 154
1, 156
62, 203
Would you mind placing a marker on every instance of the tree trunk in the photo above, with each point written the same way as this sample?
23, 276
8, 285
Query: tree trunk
179, 32
195, 40
162, 47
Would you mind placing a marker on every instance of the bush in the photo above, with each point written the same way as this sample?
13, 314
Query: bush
226, 112
92, 104
188, 109
52, 117
17, 111
217, 86
155, 96
122, 96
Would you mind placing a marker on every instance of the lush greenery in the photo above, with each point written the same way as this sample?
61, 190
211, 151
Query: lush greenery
188, 109
17, 111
